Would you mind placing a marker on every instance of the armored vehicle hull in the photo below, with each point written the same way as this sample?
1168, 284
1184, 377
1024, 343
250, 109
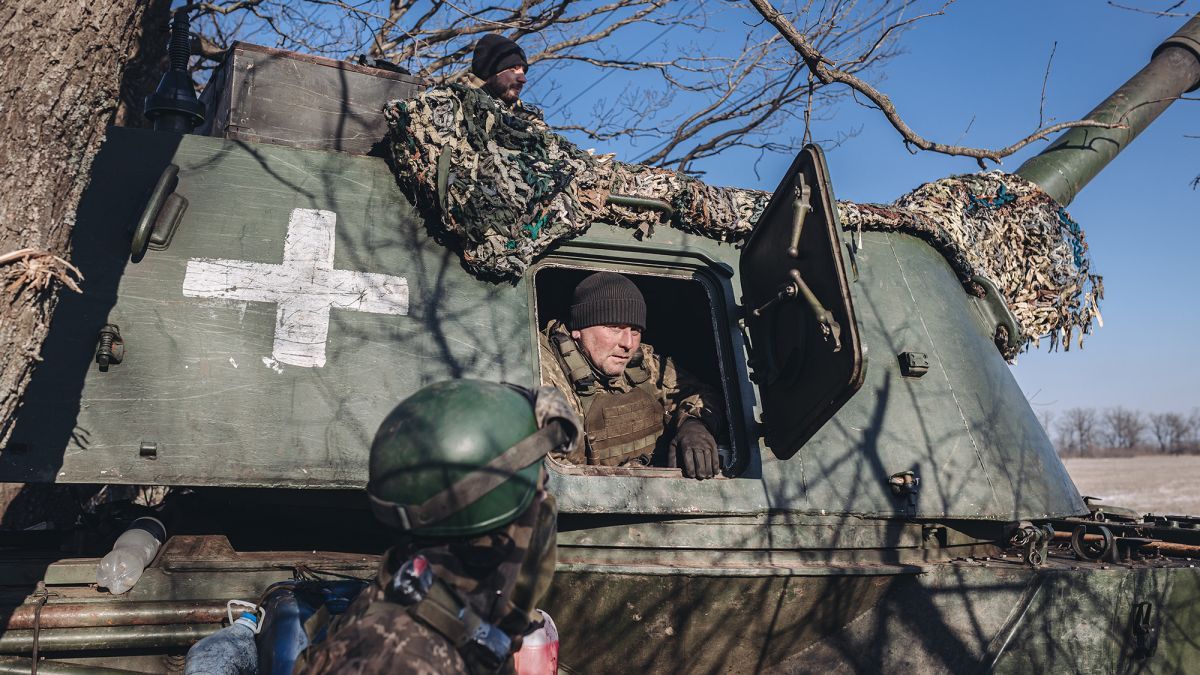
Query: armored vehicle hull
889, 499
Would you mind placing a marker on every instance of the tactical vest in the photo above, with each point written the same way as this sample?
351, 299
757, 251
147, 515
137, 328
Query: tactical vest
620, 426
484, 647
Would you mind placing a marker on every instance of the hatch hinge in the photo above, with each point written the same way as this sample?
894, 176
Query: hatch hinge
1034, 542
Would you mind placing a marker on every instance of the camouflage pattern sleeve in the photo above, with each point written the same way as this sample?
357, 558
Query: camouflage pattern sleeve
377, 636
553, 375
683, 395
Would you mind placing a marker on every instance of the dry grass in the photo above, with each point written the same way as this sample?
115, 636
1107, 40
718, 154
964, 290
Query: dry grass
1149, 484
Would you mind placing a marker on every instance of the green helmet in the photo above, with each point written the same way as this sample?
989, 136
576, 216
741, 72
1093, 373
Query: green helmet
460, 458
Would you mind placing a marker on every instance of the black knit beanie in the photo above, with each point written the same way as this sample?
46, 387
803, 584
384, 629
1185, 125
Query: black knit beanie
494, 53
607, 298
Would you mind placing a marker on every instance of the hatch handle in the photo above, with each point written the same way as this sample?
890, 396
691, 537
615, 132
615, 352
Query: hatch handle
642, 203
158, 196
1145, 631
796, 287
800, 208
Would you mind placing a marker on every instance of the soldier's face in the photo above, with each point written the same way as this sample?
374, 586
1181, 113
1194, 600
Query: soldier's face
610, 346
506, 85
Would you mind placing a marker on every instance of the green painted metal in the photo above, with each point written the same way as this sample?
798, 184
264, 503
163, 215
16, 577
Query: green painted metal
798, 310
642, 202
1070, 162
997, 616
803, 560
75, 615
171, 636
23, 666
199, 380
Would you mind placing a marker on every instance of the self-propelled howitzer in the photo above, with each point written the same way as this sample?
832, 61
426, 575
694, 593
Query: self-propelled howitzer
889, 499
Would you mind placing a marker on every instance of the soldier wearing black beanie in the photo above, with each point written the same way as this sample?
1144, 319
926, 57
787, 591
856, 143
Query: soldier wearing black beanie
607, 298
501, 64
637, 406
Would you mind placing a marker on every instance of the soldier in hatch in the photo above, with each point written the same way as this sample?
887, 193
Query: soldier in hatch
457, 470
502, 66
637, 406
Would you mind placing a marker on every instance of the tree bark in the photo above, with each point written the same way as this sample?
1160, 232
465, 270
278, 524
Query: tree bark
62, 69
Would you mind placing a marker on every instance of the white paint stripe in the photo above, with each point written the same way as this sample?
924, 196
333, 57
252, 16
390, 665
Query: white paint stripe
305, 286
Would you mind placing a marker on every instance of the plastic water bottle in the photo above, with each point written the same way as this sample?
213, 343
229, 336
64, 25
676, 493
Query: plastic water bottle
229, 651
539, 650
135, 548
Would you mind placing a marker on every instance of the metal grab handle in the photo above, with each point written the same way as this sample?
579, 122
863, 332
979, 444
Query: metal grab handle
158, 197
786, 292
800, 208
443, 176
797, 287
641, 202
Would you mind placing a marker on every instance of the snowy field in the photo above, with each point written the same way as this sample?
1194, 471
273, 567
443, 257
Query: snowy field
1150, 484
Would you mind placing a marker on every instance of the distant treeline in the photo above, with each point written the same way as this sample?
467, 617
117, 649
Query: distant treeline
1121, 432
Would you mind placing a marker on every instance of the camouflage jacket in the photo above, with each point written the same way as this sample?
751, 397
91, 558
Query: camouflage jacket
500, 575
681, 394
375, 635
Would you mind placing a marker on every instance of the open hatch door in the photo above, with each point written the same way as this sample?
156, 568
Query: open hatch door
807, 357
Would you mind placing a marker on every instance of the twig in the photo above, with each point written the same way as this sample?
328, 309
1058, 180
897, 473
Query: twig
812, 83
887, 31
1045, 79
1159, 13
967, 130
39, 267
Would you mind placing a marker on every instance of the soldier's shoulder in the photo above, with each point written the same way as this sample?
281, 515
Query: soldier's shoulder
532, 110
377, 640
649, 352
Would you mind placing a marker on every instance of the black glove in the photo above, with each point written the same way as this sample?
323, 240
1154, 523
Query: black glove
695, 449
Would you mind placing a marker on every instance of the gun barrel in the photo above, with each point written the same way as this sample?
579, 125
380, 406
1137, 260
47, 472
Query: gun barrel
1072, 160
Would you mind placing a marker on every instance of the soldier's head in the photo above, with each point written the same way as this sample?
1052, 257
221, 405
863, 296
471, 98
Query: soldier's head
464, 457
459, 465
501, 64
608, 315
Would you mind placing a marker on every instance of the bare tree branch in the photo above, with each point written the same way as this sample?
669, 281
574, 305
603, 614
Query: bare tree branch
827, 73
689, 97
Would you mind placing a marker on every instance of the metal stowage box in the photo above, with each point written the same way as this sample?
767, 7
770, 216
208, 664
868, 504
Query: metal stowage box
274, 96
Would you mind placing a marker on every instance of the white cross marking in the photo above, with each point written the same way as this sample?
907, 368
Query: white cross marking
305, 286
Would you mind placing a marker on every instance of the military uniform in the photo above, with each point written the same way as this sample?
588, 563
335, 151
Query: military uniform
379, 635
624, 416
373, 636
476, 552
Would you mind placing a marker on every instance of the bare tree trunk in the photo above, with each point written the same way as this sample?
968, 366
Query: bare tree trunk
62, 66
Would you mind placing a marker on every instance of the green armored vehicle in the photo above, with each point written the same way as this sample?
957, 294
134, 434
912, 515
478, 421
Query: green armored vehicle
260, 293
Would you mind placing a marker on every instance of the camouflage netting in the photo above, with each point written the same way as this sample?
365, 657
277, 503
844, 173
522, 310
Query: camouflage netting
1002, 227
514, 187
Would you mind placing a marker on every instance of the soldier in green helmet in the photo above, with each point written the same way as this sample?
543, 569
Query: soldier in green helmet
637, 406
457, 470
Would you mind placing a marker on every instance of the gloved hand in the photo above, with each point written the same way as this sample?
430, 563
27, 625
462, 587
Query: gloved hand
695, 448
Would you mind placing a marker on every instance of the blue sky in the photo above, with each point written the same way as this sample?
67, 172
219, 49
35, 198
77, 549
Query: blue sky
986, 60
